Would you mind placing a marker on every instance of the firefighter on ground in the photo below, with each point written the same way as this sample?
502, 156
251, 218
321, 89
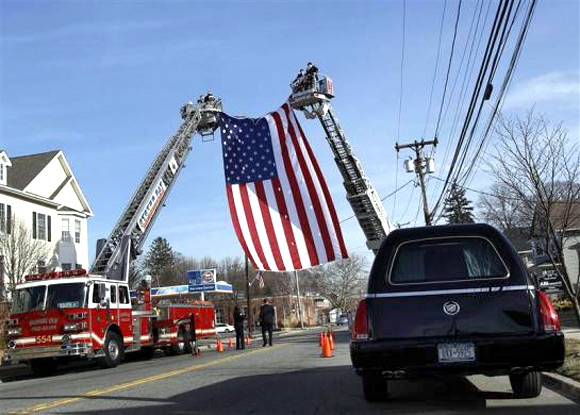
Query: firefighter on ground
267, 321
239, 327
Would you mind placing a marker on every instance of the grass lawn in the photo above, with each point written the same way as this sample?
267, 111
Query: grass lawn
571, 367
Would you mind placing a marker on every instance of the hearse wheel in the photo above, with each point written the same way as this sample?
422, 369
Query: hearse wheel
43, 367
526, 385
374, 388
113, 349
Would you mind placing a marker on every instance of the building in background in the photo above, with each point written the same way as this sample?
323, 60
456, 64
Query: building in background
41, 192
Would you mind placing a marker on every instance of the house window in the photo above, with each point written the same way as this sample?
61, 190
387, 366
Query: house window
66, 236
41, 267
219, 316
77, 231
79, 266
5, 218
66, 267
41, 226
1, 172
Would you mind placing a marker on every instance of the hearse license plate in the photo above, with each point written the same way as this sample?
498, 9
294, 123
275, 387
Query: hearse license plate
456, 352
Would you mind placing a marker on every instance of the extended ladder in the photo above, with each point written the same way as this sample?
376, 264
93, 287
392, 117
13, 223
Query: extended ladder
129, 234
314, 100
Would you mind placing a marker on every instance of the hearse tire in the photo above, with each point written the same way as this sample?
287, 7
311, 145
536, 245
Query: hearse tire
526, 385
374, 388
113, 351
43, 367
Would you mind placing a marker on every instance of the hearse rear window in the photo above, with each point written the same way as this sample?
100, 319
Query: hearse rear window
446, 260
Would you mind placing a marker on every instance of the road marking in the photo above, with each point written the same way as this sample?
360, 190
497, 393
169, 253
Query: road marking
132, 384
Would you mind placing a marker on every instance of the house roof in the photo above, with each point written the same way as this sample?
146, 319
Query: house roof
565, 215
25, 168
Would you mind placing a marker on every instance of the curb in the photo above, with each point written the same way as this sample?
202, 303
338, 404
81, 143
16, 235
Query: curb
566, 387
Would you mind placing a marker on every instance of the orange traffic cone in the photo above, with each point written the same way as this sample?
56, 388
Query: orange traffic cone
231, 344
331, 341
332, 334
326, 350
220, 346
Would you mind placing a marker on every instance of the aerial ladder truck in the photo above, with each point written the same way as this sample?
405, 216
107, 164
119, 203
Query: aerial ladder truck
312, 96
59, 316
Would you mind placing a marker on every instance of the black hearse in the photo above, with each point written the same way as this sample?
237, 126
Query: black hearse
453, 299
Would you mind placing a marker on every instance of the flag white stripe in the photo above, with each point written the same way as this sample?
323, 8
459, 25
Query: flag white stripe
318, 186
261, 228
277, 224
287, 189
315, 225
244, 225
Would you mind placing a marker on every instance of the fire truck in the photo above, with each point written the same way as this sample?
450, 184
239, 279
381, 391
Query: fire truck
59, 316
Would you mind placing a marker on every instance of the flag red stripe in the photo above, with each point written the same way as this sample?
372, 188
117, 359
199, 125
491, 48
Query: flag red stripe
286, 224
252, 224
237, 228
320, 219
263, 201
298, 201
327, 196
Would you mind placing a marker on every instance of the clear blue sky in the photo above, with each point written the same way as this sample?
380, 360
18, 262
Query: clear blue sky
104, 81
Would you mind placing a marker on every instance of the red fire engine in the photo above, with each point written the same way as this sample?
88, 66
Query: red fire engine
60, 315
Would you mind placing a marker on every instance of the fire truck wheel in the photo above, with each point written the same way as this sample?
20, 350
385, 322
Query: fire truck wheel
43, 367
113, 349
179, 346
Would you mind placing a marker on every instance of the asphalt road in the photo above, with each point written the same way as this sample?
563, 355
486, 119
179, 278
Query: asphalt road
288, 378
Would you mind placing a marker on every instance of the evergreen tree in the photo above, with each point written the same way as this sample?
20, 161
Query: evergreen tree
159, 262
457, 208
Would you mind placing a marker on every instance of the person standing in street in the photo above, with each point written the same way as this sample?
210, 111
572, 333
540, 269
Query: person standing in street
267, 321
239, 327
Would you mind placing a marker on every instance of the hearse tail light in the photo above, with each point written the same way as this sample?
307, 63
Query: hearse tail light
550, 317
360, 329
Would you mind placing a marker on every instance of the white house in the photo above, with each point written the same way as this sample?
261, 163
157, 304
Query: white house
41, 191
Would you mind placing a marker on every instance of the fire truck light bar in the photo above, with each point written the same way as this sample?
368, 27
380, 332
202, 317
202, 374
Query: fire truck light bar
55, 275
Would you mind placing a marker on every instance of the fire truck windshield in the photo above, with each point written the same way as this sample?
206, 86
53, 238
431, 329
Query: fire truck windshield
66, 295
29, 299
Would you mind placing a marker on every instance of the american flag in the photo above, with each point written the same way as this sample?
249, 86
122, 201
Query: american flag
280, 205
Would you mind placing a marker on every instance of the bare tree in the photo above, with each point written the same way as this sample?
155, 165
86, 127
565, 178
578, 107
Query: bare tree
541, 167
343, 282
21, 252
502, 207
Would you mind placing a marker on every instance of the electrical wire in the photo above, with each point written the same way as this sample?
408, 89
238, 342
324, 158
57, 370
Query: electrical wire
449, 67
436, 67
400, 100
394, 192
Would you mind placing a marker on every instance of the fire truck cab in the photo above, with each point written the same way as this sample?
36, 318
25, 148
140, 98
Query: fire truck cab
71, 314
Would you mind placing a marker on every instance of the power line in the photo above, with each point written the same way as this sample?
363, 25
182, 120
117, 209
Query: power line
394, 192
436, 67
449, 66
400, 99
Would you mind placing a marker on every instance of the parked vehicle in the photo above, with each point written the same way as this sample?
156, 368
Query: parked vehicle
224, 328
342, 319
65, 315
453, 299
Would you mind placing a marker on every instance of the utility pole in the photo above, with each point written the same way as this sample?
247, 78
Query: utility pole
249, 316
421, 166
299, 305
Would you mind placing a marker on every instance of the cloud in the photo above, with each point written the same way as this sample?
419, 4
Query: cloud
554, 87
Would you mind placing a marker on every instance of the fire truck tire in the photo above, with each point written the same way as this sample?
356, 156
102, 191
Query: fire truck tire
43, 367
180, 345
113, 350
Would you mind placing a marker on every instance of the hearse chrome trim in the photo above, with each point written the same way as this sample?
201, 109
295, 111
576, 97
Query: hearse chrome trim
434, 238
455, 291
